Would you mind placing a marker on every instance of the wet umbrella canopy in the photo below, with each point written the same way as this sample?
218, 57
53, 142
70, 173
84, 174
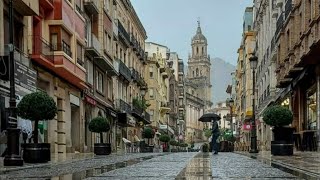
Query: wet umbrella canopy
208, 117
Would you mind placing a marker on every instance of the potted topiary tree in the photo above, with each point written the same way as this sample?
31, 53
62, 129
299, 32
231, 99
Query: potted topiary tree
279, 118
37, 106
165, 138
148, 133
100, 125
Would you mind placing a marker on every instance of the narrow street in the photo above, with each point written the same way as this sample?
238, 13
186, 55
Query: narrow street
155, 166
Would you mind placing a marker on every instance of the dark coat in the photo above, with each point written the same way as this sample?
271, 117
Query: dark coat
215, 128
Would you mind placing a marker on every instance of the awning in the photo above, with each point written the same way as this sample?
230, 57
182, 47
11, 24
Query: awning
126, 140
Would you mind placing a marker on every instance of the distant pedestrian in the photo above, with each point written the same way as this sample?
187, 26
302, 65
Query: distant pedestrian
215, 135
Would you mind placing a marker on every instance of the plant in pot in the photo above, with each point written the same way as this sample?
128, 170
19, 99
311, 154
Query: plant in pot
279, 118
100, 125
174, 144
165, 138
37, 106
148, 133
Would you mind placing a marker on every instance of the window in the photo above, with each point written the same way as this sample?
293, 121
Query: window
54, 41
151, 112
100, 82
80, 54
107, 43
110, 88
89, 72
151, 71
151, 94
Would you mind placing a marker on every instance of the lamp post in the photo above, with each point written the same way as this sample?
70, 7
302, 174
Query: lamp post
12, 157
253, 63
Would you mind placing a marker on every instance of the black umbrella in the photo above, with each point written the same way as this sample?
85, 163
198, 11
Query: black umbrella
208, 117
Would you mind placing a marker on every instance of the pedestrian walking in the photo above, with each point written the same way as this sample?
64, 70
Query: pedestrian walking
215, 135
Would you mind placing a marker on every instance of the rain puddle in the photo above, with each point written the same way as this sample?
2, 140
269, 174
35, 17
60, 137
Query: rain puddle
198, 168
100, 170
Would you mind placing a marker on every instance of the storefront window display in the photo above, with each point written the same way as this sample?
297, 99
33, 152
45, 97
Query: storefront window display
311, 109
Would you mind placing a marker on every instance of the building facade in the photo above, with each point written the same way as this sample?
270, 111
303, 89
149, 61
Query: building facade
244, 76
158, 91
297, 72
197, 86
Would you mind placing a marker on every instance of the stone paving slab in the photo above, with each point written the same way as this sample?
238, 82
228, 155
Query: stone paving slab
302, 164
231, 165
63, 170
167, 167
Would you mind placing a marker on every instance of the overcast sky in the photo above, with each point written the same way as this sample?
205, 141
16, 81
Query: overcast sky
174, 22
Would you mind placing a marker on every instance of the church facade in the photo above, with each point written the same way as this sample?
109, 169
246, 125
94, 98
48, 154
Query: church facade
198, 87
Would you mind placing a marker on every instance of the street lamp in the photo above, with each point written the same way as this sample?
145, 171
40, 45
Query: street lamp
12, 157
253, 63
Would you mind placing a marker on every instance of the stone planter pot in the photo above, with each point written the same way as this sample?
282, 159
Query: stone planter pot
102, 148
36, 153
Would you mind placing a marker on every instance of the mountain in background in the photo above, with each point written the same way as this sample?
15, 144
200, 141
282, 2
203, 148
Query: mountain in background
220, 79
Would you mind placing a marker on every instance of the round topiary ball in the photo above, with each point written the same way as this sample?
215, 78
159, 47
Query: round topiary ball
37, 106
164, 138
99, 124
148, 133
277, 116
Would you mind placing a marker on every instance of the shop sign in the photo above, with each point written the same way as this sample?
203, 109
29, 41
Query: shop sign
90, 100
247, 127
25, 77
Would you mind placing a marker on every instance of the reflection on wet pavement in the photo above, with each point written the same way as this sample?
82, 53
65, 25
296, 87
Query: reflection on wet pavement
199, 168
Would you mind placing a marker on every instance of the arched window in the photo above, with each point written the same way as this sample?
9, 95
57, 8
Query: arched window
202, 51
197, 50
197, 72
192, 73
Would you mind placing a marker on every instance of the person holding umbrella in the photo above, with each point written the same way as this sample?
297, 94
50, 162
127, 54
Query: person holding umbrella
212, 117
215, 136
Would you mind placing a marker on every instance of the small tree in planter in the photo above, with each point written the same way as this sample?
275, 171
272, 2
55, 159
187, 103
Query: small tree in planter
278, 117
100, 125
37, 106
148, 133
165, 138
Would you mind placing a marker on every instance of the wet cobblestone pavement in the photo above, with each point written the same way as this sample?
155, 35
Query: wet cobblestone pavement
155, 166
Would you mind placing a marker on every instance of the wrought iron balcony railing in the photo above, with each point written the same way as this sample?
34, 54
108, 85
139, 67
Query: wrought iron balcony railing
42, 47
122, 106
288, 8
123, 32
124, 71
279, 24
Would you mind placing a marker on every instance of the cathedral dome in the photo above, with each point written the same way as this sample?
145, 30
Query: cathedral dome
199, 36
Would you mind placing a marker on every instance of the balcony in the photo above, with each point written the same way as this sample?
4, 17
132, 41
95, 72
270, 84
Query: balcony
106, 64
147, 118
26, 7
91, 6
134, 75
142, 54
288, 8
93, 46
65, 47
133, 42
141, 81
122, 106
46, 4
42, 52
137, 111
123, 34
279, 24
164, 108
19, 55
124, 71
